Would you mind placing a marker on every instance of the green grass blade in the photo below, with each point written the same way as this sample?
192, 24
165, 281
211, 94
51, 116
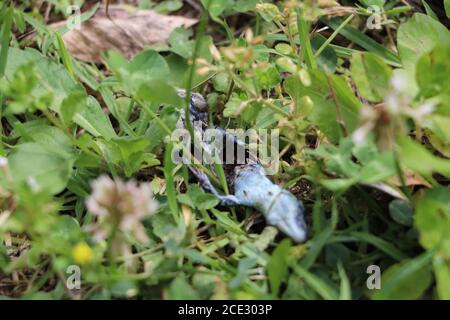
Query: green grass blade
4, 49
379, 243
364, 41
4, 39
333, 35
305, 42
65, 56
345, 290
324, 290
169, 166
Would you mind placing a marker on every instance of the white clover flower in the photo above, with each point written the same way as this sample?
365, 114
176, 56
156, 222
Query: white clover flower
121, 204
398, 82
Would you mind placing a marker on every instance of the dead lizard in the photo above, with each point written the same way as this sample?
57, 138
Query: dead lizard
250, 183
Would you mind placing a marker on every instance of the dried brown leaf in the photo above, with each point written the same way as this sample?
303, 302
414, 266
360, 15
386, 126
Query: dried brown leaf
125, 29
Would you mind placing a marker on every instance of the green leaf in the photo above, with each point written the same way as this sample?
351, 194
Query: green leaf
155, 132
284, 48
50, 138
329, 94
5, 33
94, 120
226, 222
180, 289
268, 11
54, 77
74, 103
303, 27
442, 274
65, 56
180, 43
381, 167
420, 160
371, 75
197, 198
149, 64
168, 6
277, 267
447, 8
267, 77
401, 212
432, 72
159, 92
433, 218
50, 169
217, 7
417, 36
124, 289
220, 82
368, 3
169, 168
440, 125
244, 5
234, 106
128, 146
345, 289
406, 280
429, 11
146, 66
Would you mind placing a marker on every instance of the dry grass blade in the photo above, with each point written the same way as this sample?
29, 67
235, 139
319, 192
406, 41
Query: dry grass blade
123, 28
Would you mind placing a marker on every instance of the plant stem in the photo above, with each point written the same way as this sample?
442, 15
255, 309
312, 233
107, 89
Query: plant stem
333, 35
198, 38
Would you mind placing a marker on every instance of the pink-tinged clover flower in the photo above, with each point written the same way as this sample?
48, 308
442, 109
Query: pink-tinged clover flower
121, 206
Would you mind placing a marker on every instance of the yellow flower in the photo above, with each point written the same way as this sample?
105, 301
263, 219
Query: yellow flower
82, 254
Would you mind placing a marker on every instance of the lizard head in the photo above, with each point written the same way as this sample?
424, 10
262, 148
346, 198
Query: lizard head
198, 103
287, 214
198, 106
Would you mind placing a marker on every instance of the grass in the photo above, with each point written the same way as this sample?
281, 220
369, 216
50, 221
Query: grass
87, 177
